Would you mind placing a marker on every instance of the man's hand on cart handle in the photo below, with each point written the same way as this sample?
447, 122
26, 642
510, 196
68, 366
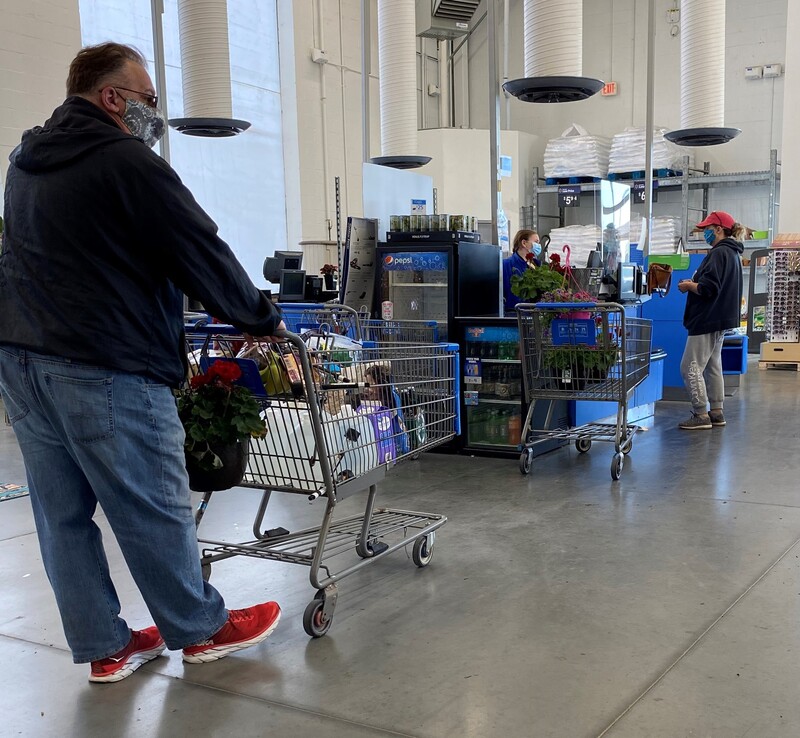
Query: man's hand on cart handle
279, 330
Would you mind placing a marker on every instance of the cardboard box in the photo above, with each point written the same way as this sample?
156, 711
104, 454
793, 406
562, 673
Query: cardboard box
772, 351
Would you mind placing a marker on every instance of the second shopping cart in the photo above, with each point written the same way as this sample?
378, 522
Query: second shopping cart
582, 352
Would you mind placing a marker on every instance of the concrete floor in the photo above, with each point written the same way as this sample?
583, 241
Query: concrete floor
561, 604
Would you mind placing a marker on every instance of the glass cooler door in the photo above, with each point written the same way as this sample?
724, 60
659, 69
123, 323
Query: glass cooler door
492, 386
417, 284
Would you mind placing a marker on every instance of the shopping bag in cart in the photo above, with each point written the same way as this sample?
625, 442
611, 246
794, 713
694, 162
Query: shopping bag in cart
356, 432
382, 420
288, 456
381, 390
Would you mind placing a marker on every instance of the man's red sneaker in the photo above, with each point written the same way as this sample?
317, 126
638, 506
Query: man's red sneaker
144, 646
244, 628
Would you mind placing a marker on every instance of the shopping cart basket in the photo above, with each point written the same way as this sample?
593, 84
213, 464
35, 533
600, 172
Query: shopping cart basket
338, 319
337, 432
400, 331
582, 352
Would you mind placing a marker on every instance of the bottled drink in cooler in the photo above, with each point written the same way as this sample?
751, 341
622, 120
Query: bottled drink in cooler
477, 420
514, 428
488, 381
502, 387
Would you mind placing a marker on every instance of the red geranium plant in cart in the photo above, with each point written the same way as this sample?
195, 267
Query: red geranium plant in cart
218, 415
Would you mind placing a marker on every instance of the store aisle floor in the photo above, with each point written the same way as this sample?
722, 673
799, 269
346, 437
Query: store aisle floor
560, 604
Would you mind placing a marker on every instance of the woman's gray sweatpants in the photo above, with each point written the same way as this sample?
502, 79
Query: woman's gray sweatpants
703, 356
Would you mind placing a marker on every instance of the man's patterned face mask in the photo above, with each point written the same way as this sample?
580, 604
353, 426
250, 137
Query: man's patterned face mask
144, 122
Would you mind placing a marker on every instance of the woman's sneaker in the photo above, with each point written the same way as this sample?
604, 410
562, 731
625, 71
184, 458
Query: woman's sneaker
244, 628
717, 418
696, 422
144, 646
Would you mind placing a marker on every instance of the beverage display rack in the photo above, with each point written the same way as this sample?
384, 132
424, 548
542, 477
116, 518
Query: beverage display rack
496, 419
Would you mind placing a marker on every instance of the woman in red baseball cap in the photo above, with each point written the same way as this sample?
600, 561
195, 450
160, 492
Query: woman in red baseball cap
713, 306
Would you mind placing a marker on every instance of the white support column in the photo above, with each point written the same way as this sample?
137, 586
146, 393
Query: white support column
789, 216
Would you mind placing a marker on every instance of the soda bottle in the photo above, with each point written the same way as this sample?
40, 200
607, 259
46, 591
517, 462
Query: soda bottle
502, 388
487, 383
475, 424
514, 427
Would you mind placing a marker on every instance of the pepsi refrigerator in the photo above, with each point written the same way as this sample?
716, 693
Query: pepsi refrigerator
437, 276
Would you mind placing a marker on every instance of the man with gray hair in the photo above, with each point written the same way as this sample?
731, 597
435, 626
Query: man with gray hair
101, 241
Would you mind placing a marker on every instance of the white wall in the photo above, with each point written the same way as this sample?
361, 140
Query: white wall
460, 169
38, 39
327, 151
790, 184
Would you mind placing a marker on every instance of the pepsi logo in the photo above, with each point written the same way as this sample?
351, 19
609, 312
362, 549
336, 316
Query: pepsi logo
388, 259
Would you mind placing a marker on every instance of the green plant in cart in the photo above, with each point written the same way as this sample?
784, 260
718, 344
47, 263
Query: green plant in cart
215, 412
589, 361
535, 281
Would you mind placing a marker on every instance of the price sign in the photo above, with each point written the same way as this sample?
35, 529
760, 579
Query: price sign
569, 196
639, 193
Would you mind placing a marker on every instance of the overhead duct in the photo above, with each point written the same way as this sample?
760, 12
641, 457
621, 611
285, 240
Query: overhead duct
445, 20
206, 70
702, 75
553, 54
397, 60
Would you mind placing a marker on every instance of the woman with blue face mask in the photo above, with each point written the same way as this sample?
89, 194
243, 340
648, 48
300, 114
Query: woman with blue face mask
713, 305
526, 249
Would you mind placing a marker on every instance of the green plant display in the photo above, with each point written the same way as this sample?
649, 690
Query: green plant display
590, 360
216, 412
535, 282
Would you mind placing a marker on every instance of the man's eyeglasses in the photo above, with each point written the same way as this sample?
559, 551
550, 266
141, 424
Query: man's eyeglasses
151, 100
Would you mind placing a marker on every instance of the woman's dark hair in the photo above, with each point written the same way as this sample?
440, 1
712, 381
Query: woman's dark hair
521, 236
95, 64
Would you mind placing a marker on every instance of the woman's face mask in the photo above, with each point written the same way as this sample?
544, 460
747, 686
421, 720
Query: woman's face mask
144, 122
710, 236
536, 249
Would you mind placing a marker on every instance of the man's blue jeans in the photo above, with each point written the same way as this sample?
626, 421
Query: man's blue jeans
90, 435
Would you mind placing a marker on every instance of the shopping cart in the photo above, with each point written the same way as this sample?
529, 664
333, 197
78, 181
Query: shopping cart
336, 432
582, 352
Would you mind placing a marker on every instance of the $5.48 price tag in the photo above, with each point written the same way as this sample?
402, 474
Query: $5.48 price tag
569, 196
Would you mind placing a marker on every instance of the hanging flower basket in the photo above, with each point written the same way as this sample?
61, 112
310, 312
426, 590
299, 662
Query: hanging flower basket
233, 458
219, 418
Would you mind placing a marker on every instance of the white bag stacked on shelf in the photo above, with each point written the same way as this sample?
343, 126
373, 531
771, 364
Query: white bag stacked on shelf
628, 151
581, 239
576, 153
665, 235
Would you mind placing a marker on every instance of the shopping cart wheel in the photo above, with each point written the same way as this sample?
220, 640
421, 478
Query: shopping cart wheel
525, 461
617, 462
315, 622
583, 444
206, 570
422, 552
627, 445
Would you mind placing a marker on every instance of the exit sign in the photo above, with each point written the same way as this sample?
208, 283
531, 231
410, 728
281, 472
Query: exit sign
610, 88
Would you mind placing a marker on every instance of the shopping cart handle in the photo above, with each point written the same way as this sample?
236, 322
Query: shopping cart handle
567, 307
219, 329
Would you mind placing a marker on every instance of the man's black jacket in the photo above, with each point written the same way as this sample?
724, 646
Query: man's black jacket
717, 305
101, 238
